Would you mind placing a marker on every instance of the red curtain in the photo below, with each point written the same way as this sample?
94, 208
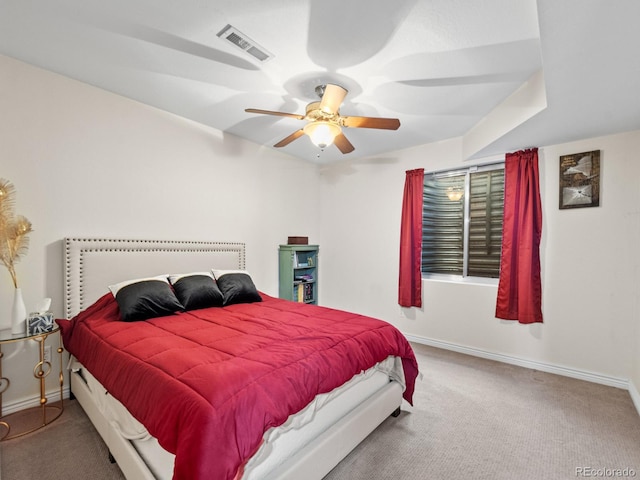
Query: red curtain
520, 286
410, 282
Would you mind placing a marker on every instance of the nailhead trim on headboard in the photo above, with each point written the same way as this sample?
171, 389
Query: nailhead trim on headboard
77, 248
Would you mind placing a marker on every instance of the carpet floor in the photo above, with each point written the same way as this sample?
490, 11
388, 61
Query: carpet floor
472, 419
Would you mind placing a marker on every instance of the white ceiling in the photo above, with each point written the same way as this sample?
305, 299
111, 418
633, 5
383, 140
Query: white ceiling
440, 66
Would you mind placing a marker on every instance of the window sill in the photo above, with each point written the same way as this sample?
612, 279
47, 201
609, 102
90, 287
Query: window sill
484, 282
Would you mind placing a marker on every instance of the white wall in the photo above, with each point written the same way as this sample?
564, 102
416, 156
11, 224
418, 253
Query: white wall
89, 163
590, 262
86, 162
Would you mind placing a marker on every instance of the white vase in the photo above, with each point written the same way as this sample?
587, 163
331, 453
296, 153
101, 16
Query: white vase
18, 314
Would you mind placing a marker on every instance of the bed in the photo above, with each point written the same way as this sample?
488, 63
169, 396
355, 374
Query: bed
183, 429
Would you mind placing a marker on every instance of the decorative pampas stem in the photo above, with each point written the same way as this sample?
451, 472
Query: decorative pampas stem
14, 242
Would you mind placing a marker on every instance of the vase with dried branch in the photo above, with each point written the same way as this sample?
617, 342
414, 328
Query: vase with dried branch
14, 243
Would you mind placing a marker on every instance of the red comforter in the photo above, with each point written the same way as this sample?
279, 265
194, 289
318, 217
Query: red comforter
208, 383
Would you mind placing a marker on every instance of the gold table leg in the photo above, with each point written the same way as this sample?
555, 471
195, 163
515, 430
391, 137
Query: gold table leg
47, 413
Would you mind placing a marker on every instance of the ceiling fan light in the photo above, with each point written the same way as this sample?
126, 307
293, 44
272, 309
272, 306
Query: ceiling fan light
321, 133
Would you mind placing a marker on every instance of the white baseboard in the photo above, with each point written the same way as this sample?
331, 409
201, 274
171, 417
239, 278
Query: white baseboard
635, 396
521, 362
15, 406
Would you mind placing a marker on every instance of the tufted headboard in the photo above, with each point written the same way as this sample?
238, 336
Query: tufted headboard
92, 264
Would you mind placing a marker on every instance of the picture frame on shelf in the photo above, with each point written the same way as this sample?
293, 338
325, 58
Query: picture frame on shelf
580, 180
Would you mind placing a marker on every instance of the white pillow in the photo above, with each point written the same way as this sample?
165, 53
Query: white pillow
175, 277
116, 287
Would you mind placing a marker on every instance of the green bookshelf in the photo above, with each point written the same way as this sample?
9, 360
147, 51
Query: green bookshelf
298, 273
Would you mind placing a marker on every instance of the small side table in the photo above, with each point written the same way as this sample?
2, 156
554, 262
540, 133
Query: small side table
43, 414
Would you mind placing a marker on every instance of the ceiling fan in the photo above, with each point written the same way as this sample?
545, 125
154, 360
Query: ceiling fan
325, 123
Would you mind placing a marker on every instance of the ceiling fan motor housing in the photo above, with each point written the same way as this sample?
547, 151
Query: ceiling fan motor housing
315, 113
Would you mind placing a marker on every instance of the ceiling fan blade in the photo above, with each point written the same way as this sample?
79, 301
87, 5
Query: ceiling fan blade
286, 141
270, 112
332, 98
343, 144
370, 122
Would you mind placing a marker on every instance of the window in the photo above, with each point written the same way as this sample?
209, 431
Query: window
462, 222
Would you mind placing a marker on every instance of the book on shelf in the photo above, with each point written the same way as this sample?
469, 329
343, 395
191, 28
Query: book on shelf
308, 292
303, 292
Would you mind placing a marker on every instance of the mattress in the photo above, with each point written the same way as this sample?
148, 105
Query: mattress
279, 443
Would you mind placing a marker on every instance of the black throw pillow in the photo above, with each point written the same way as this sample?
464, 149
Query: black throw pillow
196, 291
146, 299
236, 287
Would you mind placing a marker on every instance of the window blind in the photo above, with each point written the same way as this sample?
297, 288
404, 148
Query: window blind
442, 226
485, 223
462, 235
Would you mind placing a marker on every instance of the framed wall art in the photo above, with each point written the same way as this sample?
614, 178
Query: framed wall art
580, 180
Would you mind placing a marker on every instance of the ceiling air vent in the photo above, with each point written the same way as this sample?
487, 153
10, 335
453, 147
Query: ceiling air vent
240, 40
